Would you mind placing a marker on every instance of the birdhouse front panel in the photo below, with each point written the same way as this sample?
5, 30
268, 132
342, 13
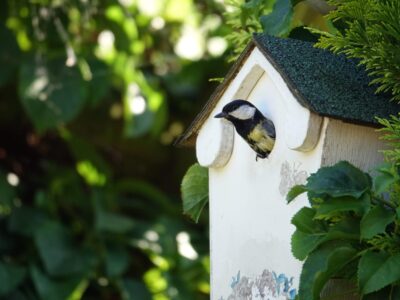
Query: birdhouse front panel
250, 220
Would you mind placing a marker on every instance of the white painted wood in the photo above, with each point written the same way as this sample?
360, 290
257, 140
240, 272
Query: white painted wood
250, 225
215, 140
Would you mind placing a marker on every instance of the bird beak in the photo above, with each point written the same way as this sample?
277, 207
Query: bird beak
220, 115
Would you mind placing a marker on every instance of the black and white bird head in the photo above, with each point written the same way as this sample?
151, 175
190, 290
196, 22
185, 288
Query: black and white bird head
257, 130
238, 110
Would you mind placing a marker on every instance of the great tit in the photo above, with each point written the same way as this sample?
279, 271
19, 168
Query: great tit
251, 125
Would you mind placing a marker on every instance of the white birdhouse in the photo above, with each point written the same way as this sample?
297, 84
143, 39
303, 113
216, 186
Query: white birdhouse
324, 111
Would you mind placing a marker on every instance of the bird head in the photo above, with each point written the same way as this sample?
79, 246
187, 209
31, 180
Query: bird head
237, 111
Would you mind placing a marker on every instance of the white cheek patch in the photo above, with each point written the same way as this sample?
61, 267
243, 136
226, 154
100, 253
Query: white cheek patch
243, 112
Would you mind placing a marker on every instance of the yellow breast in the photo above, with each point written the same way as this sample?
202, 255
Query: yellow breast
261, 138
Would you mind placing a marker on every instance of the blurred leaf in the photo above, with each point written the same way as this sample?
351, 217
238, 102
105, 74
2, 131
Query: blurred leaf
194, 189
10, 277
25, 220
278, 22
59, 255
9, 55
375, 221
50, 289
51, 93
99, 82
117, 260
7, 191
113, 222
342, 179
377, 270
133, 289
303, 243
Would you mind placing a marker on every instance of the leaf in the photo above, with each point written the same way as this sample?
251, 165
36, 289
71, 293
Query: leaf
304, 243
113, 222
133, 289
59, 255
51, 93
194, 190
278, 22
376, 270
10, 277
294, 192
25, 220
304, 220
333, 206
7, 192
99, 82
9, 55
342, 179
49, 289
321, 265
117, 260
375, 221
383, 181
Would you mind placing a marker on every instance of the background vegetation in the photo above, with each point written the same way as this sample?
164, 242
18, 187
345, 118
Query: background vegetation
92, 95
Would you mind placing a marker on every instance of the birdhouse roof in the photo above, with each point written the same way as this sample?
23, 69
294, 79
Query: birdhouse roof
327, 84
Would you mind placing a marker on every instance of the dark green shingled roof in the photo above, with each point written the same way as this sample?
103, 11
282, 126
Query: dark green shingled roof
328, 84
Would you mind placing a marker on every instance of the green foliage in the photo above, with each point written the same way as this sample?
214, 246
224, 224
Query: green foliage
351, 230
368, 30
194, 191
92, 95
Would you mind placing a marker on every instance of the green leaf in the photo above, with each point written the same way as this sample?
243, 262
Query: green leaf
49, 289
383, 181
60, 256
10, 277
278, 22
117, 260
376, 270
133, 289
194, 190
342, 179
113, 222
99, 81
7, 192
9, 55
375, 221
304, 220
304, 243
333, 206
25, 220
51, 93
294, 192
321, 265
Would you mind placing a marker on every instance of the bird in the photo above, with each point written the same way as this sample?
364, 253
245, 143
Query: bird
257, 130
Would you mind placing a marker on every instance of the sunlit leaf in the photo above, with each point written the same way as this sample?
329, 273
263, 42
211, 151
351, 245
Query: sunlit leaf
194, 189
294, 192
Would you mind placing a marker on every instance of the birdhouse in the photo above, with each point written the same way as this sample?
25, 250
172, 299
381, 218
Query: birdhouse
323, 110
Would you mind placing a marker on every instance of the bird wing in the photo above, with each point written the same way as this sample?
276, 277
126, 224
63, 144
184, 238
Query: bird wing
269, 127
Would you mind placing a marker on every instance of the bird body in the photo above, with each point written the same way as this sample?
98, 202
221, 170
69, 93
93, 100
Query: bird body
251, 125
